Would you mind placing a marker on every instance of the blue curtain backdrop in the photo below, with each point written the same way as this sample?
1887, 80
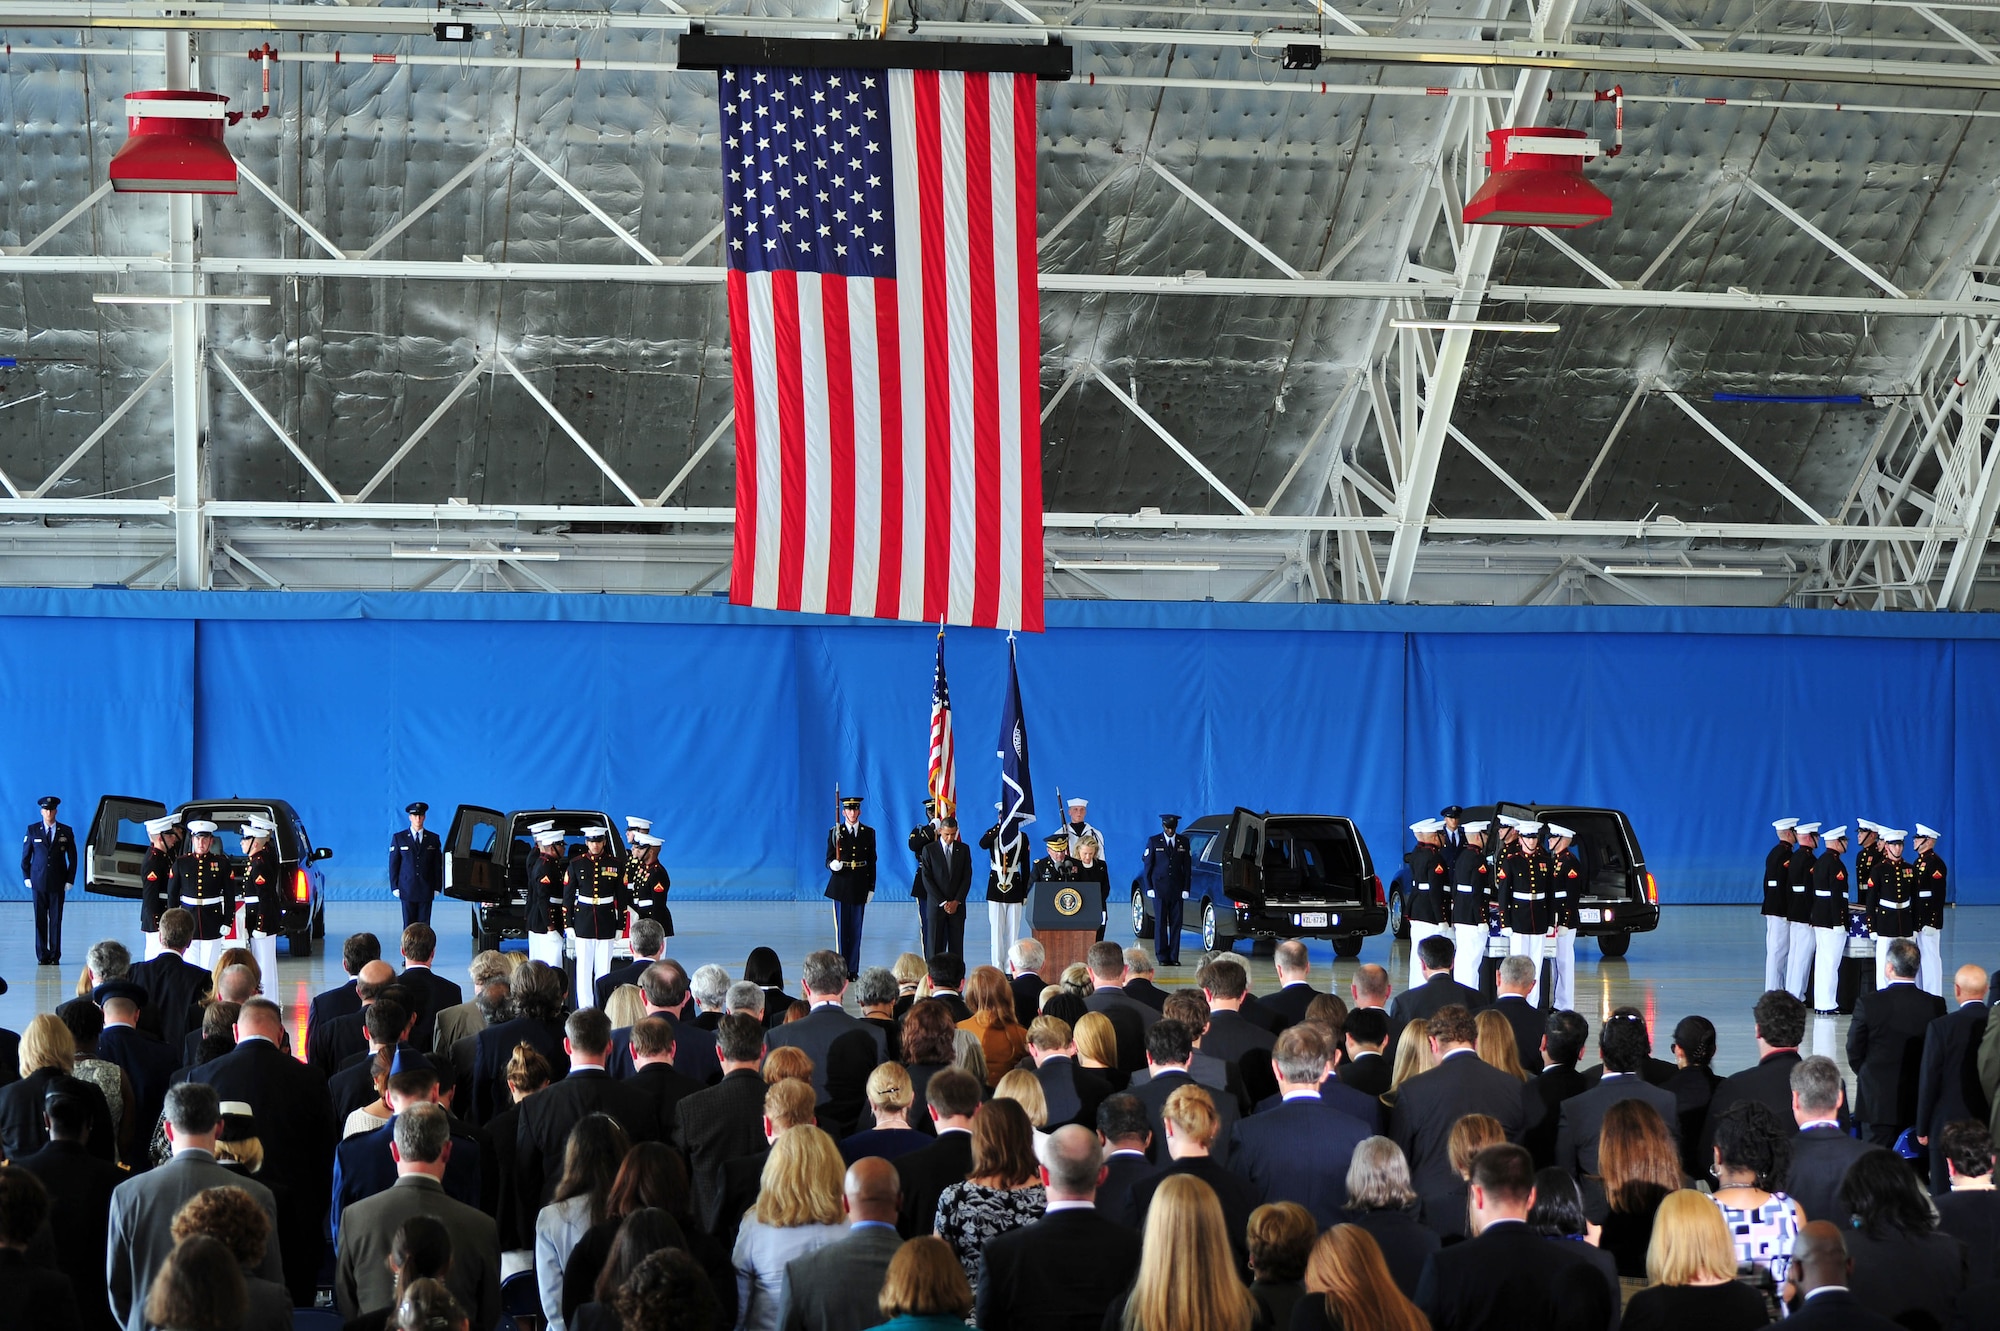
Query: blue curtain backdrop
730, 727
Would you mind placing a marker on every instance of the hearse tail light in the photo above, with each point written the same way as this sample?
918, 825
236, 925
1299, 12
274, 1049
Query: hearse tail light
1652, 891
1376, 880
300, 890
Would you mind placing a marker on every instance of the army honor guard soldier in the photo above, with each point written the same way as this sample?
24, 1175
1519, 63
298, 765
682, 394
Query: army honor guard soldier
260, 907
594, 888
1931, 901
1167, 869
48, 867
416, 866
547, 912
204, 886
850, 881
155, 871
1006, 893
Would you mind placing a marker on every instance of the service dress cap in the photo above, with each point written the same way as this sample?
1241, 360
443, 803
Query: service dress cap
536, 829
646, 839
638, 824
160, 826
1171, 819
1563, 832
1480, 826
596, 833
1811, 829
202, 827
1892, 833
1928, 832
1451, 811
1057, 841
850, 801
1784, 824
1424, 827
550, 837
48, 802
1835, 834
416, 806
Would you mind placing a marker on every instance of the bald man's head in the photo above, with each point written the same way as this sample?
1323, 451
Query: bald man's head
1969, 983
1819, 1258
1371, 985
372, 979
260, 1016
874, 1191
239, 984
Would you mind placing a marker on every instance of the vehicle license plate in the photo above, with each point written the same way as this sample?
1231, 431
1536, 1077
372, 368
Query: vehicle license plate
1313, 920
1591, 916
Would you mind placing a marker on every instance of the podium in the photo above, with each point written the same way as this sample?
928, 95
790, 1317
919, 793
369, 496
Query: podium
1059, 919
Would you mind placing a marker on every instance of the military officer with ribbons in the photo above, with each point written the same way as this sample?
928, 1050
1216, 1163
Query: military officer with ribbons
646, 880
548, 905
260, 894
204, 885
1429, 908
1006, 893
1524, 885
1800, 945
48, 867
1166, 871
923, 835
850, 882
163, 837
1566, 883
1777, 902
594, 891
1830, 894
1931, 886
416, 866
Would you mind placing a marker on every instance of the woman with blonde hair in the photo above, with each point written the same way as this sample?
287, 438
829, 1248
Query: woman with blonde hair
799, 1210
1496, 1046
925, 1288
1076, 979
1640, 1166
626, 1008
1413, 1057
1003, 1191
1097, 1048
1187, 1274
1691, 1280
890, 1096
1025, 1089
1348, 1288
1003, 1040
910, 972
48, 1056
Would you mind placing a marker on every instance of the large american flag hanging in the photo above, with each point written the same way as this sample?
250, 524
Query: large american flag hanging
885, 340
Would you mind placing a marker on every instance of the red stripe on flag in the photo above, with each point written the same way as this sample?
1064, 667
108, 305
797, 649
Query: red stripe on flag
889, 375
791, 437
985, 367
1029, 320
743, 566
937, 352
840, 442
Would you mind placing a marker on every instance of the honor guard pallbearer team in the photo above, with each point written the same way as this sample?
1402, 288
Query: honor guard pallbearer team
1816, 914
1519, 900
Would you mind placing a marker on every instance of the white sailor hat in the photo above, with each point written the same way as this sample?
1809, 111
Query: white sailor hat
202, 827
1474, 827
1425, 827
1834, 834
159, 826
638, 824
1928, 832
596, 833
536, 829
550, 837
1784, 824
1811, 829
646, 839
1892, 833
1561, 832
1076, 801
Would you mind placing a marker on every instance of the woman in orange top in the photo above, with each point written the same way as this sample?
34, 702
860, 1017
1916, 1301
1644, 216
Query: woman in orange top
1002, 1038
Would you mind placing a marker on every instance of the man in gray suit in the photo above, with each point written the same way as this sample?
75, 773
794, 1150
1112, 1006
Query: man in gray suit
363, 1281
1130, 1019
844, 1049
1622, 1043
143, 1207
835, 1288
465, 1020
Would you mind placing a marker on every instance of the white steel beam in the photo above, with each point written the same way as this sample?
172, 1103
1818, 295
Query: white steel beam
1167, 437
416, 436
1838, 250
1231, 224
1770, 478
54, 228
590, 206
292, 214
284, 436
570, 430
722, 427
1617, 428
438, 195
104, 427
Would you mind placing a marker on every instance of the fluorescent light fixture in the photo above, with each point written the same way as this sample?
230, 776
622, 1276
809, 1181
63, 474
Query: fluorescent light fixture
1475, 326
1123, 566
513, 556
116, 298
1679, 571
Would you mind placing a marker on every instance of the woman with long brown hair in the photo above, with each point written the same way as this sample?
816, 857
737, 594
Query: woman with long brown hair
1003, 1192
1348, 1288
929, 1046
1187, 1275
1640, 1166
1002, 1037
1495, 1044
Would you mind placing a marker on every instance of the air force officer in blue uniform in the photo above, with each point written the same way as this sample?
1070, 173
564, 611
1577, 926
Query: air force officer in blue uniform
416, 867
48, 867
1167, 869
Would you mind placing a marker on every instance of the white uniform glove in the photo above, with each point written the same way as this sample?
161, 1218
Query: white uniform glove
833, 864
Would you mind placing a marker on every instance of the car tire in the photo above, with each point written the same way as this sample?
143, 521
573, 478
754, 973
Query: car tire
300, 943
1613, 945
1142, 923
319, 921
1348, 948
1211, 939
1399, 919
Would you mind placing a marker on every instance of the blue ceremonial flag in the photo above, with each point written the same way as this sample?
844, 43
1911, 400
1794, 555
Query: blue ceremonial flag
1017, 789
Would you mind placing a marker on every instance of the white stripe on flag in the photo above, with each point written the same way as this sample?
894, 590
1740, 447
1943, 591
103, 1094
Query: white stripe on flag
965, 496
867, 442
818, 444
1007, 341
770, 459
910, 319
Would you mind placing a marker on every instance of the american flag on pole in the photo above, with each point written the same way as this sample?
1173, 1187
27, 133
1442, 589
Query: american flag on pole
885, 341
944, 774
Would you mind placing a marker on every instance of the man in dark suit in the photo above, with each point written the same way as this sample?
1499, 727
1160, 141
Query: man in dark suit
1295, 992
1064, 1271
947, 973
548, 1115
951, 1097
1816, 1285
172, 985
340, 1038
1438, 990
1130, 1019
1781, 1026
1622, 1044
664, 989
1126, 1131
1948, 1086
649, 940
1025, 960
387, 1026
1563, 1038
836, 1287
365, 1164
1299, 1151
536, 1000
657, 1081
726, 1120
1169, 1049
1507, 1276
1190, 1008
1365, 1068
946, 876
1139, 967
1822, 1152
429, 992
1513, 984
357, 951
1233, 1037
80, 1187
1430, 1104
147, 1061
288, 1100
1885, 1046
844, 1049
1073, 1091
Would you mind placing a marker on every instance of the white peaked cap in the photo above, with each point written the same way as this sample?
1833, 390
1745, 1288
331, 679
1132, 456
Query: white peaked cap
1930, 832
1834, 834
1810, 828
1561, 832
596, 833
157, 826
538, 828
548, 838
1785, 824
638, 824
200, 825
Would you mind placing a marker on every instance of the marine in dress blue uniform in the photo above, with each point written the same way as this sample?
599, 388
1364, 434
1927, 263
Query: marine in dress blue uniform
1165, 871
850, 881
48, 867
594, 893
155, 871
1931, 899
204, 886
416, 866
